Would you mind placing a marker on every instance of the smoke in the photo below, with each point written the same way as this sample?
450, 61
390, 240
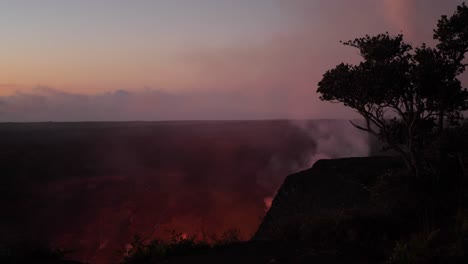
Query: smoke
326, 139
399, 13
335, 139
417, 18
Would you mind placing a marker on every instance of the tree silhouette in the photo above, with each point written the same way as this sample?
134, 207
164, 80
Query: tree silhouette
404, 94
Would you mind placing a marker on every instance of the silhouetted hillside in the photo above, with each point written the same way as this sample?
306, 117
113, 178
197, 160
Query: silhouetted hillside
322, 193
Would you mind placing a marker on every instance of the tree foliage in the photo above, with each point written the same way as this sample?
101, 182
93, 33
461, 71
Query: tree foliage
405, 94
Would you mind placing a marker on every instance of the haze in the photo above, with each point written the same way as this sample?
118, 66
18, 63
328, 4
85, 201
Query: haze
182, 59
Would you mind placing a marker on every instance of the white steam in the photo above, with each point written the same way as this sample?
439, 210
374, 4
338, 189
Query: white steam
335, 139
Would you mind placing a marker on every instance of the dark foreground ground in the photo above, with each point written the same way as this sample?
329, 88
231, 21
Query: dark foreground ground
244, 252
263, 252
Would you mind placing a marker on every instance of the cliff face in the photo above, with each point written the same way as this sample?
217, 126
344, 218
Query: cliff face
321, 193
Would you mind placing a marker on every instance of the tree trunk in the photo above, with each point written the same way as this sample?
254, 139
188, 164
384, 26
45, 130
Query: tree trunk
441, 121
413, 159
414, 166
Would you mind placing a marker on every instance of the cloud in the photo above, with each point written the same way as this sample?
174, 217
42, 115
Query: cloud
274, 77
46, 104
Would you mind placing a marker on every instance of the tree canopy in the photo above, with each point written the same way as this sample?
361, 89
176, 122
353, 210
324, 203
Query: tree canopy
404, 93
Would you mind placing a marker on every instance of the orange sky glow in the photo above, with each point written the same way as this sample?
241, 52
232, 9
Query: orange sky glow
185, 47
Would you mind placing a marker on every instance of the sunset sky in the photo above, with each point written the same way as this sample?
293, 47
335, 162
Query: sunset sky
187, 59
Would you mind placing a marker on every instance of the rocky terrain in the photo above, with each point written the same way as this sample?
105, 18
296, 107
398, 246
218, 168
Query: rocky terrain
322, 193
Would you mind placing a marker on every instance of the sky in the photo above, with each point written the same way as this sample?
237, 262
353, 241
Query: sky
94, 60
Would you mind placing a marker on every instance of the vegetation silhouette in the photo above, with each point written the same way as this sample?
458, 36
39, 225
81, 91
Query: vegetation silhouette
406, 95
387, 211
413, 101
178, 245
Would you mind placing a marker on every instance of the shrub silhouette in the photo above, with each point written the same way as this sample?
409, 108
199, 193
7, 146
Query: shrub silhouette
178, 244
